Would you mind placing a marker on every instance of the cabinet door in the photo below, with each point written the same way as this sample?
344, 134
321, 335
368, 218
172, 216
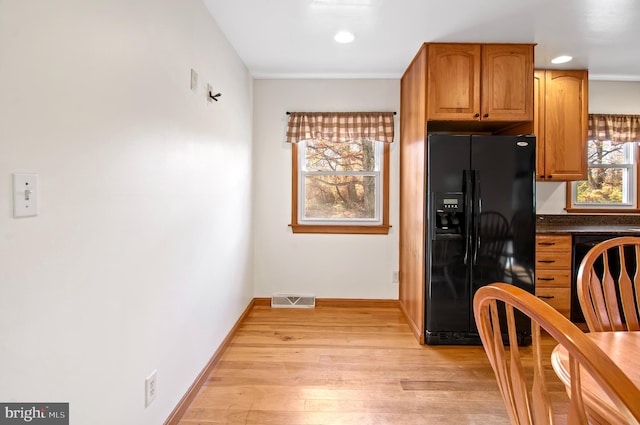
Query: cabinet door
453, 81
565, 128
538, 120
507, 83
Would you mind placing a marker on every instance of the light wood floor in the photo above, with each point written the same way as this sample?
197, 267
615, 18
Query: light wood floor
338, 365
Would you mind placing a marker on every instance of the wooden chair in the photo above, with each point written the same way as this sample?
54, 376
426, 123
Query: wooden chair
528, 402
492, 243
608, 285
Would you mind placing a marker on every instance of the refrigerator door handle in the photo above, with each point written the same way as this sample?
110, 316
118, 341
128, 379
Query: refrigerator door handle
477, 211
468, 213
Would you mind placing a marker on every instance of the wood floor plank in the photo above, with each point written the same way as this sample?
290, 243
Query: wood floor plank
337, 364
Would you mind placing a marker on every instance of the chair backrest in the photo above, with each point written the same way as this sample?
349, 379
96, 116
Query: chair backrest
494, 229
528, 401
608, 285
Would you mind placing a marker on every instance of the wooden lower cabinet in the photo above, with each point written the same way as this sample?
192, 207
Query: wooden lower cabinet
553, 271
558, 298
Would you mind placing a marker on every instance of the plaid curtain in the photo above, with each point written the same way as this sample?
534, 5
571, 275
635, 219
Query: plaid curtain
340, 127
617, 128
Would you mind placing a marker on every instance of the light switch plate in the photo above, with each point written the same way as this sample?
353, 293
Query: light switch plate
25, 195
194, 80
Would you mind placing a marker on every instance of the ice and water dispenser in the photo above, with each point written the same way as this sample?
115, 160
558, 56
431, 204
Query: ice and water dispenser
449, 212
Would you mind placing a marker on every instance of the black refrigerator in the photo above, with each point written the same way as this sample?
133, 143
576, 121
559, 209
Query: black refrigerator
480, 228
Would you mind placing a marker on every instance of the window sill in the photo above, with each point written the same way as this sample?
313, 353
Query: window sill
361, 230
602, 210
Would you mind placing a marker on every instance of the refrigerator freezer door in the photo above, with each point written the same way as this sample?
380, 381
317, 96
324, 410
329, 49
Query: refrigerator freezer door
447, 275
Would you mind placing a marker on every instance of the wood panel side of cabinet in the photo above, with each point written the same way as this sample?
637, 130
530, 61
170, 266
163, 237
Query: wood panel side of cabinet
413, 92
507, 85
453, 77
566, 126
538, 120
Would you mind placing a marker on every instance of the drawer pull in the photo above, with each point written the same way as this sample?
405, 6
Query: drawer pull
546, 261
546, 243
546, 278
546, 297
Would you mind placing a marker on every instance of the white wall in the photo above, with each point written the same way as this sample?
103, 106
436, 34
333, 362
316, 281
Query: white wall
329, 266
614, 97
141, 255
605, 97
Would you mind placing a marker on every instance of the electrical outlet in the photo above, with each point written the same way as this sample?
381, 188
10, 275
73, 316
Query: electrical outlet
150, 388
395, 277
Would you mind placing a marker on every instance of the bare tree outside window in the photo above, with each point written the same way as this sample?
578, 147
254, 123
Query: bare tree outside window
340, 180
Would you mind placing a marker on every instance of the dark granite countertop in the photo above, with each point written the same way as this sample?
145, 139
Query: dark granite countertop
622, 225
588, 230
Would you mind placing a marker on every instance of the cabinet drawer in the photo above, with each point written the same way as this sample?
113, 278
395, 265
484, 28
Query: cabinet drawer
553, 278
553, 260
558, 298
553, 243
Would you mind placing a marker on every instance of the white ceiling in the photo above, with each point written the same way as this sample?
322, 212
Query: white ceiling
294, 38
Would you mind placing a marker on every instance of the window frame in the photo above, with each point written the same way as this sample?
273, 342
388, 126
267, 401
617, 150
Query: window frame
572, 207
378, 228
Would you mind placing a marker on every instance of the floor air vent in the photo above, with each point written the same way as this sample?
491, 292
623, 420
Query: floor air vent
293, 301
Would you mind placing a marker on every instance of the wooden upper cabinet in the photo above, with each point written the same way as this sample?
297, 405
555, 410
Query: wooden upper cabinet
480, 82
507, 87
563, 128
453, 80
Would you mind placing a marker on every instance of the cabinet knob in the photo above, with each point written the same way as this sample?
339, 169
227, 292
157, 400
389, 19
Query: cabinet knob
549, 176
486, 115
476, 115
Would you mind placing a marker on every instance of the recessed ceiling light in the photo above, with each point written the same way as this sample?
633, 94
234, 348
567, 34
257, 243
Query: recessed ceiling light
561, 59
344, 37
344, 4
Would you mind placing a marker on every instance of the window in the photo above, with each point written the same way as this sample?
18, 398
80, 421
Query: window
612, 173
610, 176
340, 186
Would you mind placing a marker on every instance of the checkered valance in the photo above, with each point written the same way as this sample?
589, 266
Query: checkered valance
340, 127
616, 128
